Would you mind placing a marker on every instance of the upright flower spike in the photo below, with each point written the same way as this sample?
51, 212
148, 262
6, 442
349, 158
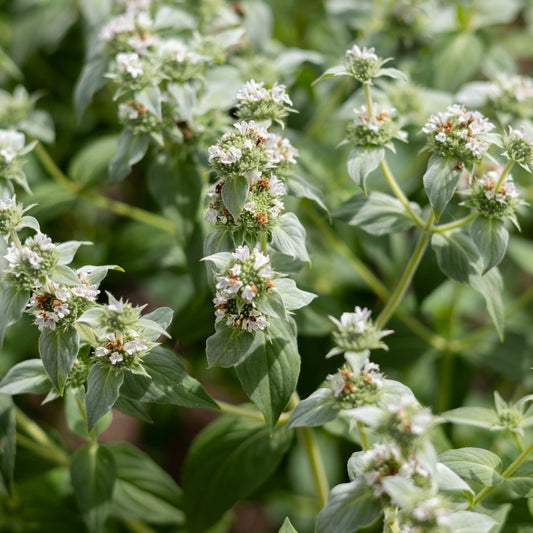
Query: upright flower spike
363, 64
374, 129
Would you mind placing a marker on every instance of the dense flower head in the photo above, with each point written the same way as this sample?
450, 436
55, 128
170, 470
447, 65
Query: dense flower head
356, 332
58, 306
246, 281
261, 211
430, 515
15, 108
458, 132
407, 422
122, 349
387, 459
118, 314
518, 147
32, 262
10, 214
355, 389
259, 103
129, 31
512, 95
373, 129
490, 202
137, 118
363, 64
180, 62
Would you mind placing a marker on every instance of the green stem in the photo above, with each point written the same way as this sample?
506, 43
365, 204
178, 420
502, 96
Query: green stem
307, 440
407, 275
251, 415
393, 184
375, 284
15, 238
38, 441
518, 440
504, 173
362, 436
506, 474
455, 224
368, 100
119, 208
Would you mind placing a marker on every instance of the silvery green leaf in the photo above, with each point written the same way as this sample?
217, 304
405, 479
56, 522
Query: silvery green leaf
220, 260
9, 441
448, 480
471, 522
521, 480
95, 274
218, 241
490, 237
67, 250
472, 416
26, 377
350, 506
317, 409
13, 301
64, 275
475, 464
288, 237
356, 360
391, 391
490, 286
301, 188
287, 527
234, 195
457, 255
293, 297
103, 386
228, 346
362, 160
131, 149
338, 70
91, 79
271, 304
175, 18
29, 222
58, 350
368, 414
162, 315
402, 491
391, 73
440, 181
150, 97
377, 213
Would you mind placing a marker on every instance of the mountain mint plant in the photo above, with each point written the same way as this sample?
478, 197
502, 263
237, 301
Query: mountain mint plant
357, 307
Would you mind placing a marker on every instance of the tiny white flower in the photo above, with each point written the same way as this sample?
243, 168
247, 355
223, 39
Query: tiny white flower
101, 351
116, 357
260, 260
242, 253
131, 63
248, 292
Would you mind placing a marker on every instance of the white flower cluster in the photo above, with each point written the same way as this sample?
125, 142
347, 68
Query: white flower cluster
376, 128
459, 132
133, 24
11, 145
118, 347
356, 322
52, 303
247, 280
365, 53
431, 512
253, 91
409, 418
519, 88
32, 255
130, 63
506, 191
8, 204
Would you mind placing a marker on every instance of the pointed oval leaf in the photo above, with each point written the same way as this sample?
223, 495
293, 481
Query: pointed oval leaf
471, 522
8, 439
228, 346
270, 373
26, 377
103, 385
234, 195
362, 160
227, 462
350, 506
93, 474
12, 305
490, 237
475, 464
440, 181
287, 527
472, 416
319, 408
288, 237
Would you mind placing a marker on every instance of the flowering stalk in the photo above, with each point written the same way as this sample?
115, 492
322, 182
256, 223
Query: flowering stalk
505, 172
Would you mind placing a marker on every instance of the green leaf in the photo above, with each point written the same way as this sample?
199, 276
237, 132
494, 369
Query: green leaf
162, 315
271, 305
440, 181
301, 188
67, 250
293, 297
26, 377
234, 195
362, 160
91, 162
133, 408
103, 385
93, 472
475, 464
171, 383
457, 255
318, 409
270, 372
490, 286
350, 506
227, 462
521, 480
338, 70
7, 440
91, 79
143, 490
377, 213
288, 237
63, 275
228, 346
448, 480
471, 522
287, 527
490, 237
58, 350
75, 414
131, 149
12, 304
472, 416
